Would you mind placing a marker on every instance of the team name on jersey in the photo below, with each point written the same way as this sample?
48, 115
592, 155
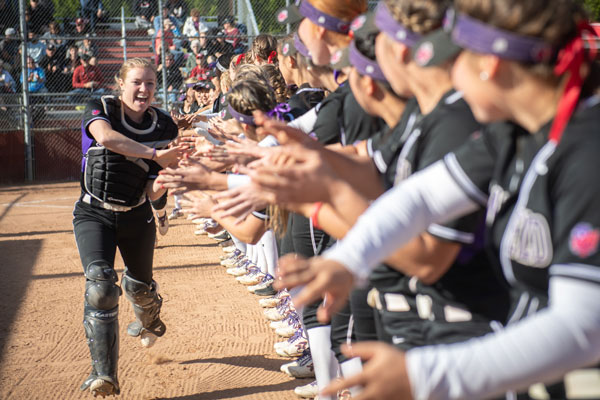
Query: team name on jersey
498, 197
531, 240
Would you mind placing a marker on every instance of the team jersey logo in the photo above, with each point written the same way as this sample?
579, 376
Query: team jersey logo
403, 170
584, 240
95, 112
531, 241
498, 197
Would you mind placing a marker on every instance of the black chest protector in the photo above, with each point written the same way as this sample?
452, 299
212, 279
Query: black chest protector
115, 180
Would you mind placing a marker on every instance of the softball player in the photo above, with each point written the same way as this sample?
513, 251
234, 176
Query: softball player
124, 143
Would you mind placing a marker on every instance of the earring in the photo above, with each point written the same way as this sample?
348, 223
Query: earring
484, 76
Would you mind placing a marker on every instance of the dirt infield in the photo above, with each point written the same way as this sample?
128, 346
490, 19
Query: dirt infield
217, 346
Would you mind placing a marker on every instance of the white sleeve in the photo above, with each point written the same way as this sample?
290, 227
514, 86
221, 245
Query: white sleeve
208, 136
540, 348
306, 121
237, 180
400, 214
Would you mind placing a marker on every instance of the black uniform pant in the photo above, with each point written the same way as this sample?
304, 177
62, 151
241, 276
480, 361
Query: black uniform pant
100, 232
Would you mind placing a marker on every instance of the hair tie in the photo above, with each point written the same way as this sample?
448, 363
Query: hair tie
271, 57
570, 59
279, 110
239, 59
336, 76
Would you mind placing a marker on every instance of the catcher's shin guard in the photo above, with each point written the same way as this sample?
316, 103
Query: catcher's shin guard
146, 305
100, 320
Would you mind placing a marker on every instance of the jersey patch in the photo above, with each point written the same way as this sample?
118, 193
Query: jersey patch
531, 241
584, 239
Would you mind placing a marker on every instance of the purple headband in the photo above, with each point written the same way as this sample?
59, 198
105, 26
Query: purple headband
325, 20
243, 118
386, 23
300, 47
364, 65
475, 35
279, 110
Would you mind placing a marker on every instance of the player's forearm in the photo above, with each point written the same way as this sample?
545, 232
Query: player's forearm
358, 171
114, 141
541, 348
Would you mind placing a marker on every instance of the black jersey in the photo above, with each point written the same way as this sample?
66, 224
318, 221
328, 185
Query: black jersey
340, 119
541, 199
470, 288
156, 130
305, 99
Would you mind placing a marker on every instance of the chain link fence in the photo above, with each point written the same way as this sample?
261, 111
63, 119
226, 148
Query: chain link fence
72, 54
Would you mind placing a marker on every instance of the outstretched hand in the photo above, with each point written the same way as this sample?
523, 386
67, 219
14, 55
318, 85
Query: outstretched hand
322, 278
241, 201
383, 376
190, 174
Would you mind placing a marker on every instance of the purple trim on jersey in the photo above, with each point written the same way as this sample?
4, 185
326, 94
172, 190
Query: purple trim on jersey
386, 23
467, 252
300, 47
327, 21
86, 143
243, 118
475, 35
364, 65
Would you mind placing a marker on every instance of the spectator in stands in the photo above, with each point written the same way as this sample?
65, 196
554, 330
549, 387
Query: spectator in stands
172, 42
200, 71
9, 49
87, 80
51, 37
92, 11
81, 27
7, 86
232, 34
86, 46
10, 15
220, 45
144, 11
36, 77
52, 63
35, 48
177, 11
193, 27
41, 12
70, 63
174, 78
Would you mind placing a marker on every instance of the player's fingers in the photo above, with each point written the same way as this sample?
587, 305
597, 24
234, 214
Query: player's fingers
340, 384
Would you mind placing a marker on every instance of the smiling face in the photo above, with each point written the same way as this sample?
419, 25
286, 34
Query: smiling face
137, 90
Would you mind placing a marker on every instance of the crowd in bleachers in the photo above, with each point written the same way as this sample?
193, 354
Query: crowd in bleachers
65, 52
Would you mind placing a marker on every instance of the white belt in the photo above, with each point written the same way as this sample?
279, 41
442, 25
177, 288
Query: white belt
107, 206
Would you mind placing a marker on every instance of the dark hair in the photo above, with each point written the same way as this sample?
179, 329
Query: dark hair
251, 95
262, 47
276, 81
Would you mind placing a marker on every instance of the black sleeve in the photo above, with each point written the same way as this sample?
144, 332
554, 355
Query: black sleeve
575, 195
357, 123
327, 127
472, 164
94, 110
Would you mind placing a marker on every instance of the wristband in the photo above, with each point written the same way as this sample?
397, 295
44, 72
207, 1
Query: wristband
153, 153
314, 215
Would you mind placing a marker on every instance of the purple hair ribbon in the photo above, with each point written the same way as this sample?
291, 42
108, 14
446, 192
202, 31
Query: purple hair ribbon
243, 118
279, 111
386, 23
327, 21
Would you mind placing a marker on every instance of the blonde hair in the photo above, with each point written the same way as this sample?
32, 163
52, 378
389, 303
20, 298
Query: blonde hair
132, 63
250, 95
225, 81
249, 72
420, 16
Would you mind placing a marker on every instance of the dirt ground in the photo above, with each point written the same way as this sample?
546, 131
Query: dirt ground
217, 346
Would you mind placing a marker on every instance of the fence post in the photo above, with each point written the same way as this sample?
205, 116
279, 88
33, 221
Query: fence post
26, 110
162, 57
287, 26
123, 41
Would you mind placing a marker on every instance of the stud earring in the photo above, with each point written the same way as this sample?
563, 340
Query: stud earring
484, 76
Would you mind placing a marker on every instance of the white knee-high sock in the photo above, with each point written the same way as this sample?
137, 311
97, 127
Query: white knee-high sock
241, 246
261, 262
350, 368
270, 249
177, 201
324, 361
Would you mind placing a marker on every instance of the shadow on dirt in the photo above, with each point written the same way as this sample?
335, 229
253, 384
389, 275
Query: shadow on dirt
16, 263
239, 392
